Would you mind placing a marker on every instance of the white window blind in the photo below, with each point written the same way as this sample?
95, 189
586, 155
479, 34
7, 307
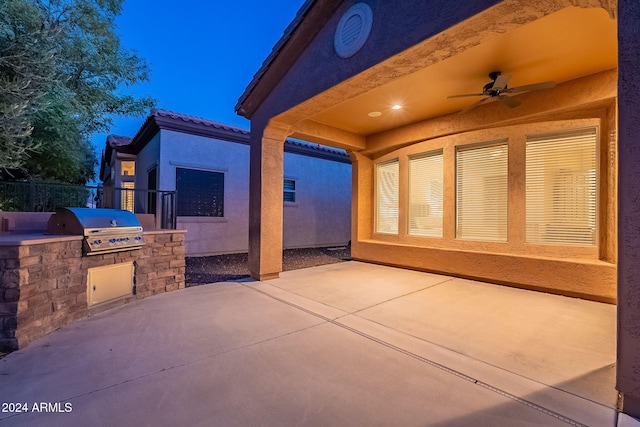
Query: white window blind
425, 194
561, 188
126, 196
481, 192
289, 189
387, 188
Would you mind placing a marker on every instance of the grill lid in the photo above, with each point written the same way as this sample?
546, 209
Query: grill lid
104, 230
78, 220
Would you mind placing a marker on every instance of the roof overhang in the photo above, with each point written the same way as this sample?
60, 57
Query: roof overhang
561, 40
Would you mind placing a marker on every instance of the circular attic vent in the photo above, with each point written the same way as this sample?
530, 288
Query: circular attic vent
353, 30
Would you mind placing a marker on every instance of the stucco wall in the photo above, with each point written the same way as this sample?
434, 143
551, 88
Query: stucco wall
24, 222
321, 214
320, 217
628, 378
409, 22
146, 160
587, 271
208, 235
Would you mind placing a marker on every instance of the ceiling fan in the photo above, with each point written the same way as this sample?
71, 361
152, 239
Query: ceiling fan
497, 90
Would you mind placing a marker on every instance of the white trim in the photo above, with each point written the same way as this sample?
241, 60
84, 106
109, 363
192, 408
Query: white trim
198, 167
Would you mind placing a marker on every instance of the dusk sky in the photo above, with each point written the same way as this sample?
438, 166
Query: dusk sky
202, 53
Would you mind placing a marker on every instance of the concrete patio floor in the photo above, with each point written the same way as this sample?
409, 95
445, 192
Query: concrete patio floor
342, 344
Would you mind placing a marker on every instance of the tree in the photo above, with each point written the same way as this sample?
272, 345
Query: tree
62, 70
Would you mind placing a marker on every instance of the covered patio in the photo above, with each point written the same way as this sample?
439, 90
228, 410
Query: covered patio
489, 186
343, 344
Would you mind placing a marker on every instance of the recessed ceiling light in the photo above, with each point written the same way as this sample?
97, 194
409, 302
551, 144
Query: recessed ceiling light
375, 114
396, 107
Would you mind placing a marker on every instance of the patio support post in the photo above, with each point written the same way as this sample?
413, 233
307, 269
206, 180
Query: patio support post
265, 201
361, 199
628, 363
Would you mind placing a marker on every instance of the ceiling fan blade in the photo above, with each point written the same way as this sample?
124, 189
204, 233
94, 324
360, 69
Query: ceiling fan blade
509, 102
478, 103
465, 95
535, 86
501, 82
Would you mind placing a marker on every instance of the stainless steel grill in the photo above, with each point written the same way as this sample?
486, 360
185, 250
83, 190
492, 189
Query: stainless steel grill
104, 230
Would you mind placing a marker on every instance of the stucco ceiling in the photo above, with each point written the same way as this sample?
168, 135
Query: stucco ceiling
572, 43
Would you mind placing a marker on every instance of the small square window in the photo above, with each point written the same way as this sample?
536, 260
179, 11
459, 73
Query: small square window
290, 190
128, 168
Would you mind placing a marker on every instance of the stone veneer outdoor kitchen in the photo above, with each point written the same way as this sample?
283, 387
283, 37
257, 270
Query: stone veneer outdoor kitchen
43, 280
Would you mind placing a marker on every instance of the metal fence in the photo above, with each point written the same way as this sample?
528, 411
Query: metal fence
34, 196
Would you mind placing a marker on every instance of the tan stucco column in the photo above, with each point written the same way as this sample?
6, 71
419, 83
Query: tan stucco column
265, 202
628, 364
361, 199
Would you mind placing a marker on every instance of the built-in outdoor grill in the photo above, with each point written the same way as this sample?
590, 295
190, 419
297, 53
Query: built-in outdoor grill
104, 230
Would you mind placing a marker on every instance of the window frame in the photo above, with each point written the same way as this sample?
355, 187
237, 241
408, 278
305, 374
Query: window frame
412, 159
498, 143
286, 191
221, 209
394, 231
516, 226
130, 166
542, 137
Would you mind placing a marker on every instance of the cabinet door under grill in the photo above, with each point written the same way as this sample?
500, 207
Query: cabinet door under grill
109, 282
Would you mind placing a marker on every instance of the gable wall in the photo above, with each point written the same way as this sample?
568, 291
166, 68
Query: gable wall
396, 27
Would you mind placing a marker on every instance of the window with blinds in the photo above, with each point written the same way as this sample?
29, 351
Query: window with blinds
561, 188
482, 192
200, 193
387, 189
289, 189
127, 196
426, 194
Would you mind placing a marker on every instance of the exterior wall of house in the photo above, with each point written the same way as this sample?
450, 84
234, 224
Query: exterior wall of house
317, 80
312, 79
319, 217
210, 235
147, 159
109, 182
584, 271
572, 100
405, 24
628, 363
321, 213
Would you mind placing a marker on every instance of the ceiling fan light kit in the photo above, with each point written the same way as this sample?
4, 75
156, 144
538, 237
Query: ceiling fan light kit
497, 90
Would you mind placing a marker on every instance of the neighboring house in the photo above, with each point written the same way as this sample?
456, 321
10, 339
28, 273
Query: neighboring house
207, 164
542, 196
117, 170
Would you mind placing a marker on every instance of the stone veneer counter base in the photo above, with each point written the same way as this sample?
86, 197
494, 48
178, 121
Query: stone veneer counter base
43, 280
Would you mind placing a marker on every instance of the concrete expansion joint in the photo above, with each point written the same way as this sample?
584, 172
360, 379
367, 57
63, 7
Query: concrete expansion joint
422, 359
404, 295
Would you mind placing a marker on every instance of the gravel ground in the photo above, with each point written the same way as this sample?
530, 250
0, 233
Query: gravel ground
222, 268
